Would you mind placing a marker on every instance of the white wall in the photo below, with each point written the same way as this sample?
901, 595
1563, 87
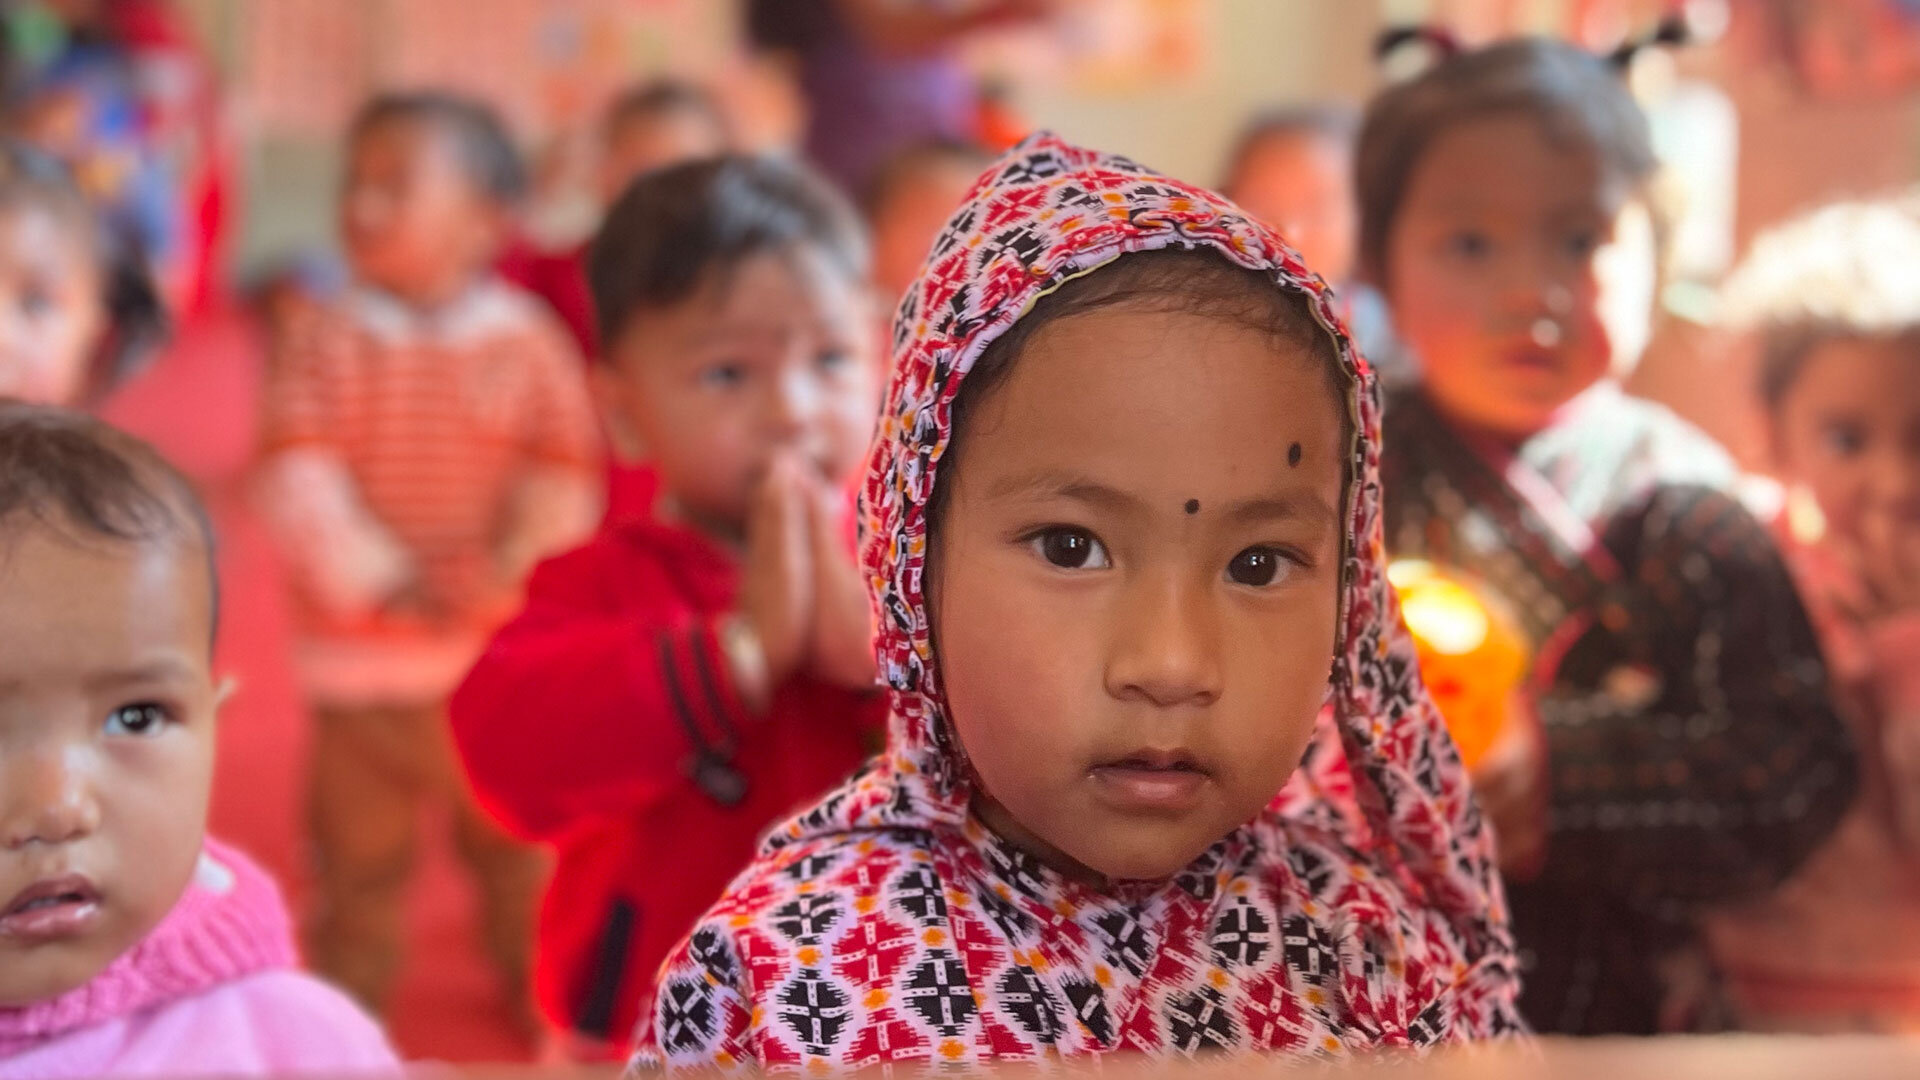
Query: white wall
1261, 53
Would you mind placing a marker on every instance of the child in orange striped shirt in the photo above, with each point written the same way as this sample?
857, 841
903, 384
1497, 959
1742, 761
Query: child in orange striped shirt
429, 438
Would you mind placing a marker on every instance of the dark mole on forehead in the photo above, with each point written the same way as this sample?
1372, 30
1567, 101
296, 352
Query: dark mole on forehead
1293, 454
1193, 506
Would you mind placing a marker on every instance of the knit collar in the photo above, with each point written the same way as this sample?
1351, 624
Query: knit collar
230, 923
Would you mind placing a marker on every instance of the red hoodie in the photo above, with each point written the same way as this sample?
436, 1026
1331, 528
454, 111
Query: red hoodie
603, 720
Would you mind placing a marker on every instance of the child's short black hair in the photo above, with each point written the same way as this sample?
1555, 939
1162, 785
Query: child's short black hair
64, 470
136, 315
673, 227
656, 98
1577, 97
486, 151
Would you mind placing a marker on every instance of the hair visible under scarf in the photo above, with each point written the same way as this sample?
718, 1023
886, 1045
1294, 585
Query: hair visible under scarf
1193, 282
135, 314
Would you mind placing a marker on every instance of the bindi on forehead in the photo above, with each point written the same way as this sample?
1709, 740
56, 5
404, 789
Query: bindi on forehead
1193, 506
1293, 455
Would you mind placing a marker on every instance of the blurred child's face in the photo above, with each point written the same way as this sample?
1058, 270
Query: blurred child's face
1519, 271
106, 749
642, 144
1849, 430
51, 316
1300, 184
1137, 591
414, 221
775, 355
904, 226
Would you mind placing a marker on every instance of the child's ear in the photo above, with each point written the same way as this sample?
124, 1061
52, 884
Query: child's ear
610, 392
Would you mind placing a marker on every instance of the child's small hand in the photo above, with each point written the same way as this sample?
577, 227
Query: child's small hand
1510, 782
843, 619
777, 599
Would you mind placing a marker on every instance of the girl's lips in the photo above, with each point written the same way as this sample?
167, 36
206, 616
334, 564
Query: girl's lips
51, 909
1532, 359
1151, 781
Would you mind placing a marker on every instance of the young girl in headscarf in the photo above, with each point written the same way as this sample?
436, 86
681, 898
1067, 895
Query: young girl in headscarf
1122, 531
1674, 748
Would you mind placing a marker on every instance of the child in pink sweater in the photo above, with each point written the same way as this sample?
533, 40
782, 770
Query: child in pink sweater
130, 943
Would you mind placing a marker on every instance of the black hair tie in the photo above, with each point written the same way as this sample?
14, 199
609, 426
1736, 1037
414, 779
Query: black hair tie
1670, 32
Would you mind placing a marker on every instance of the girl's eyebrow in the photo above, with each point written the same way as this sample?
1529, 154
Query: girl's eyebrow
1303, 506
1055, 485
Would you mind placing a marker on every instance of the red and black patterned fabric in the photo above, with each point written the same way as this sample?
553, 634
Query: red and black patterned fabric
885, 925
1693, 754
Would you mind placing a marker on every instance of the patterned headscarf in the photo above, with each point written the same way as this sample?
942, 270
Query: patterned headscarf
886, 924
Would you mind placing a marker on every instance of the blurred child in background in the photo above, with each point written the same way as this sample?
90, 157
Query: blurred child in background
131, 943
1834, 301
78, 312
911, 197
678, 683
652, 126
429, 437
1293, 168
1674, 748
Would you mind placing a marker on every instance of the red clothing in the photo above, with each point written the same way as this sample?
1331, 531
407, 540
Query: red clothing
560, 278
603, 719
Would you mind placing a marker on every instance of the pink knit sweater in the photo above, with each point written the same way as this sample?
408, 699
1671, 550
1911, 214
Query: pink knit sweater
213, 990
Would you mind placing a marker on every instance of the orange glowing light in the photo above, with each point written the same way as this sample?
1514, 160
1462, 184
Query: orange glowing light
1472, 657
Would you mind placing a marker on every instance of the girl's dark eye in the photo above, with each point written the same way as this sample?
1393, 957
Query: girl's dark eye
723, 376
1844, 439
1469, 244
141, 718
1257, 566
833, 359
36, 300
1582, 244
1071, 549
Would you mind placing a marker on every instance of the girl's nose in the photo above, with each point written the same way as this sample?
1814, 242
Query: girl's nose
47, 799
1166, 647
